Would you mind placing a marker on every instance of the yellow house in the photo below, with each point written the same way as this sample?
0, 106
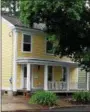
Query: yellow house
28, 64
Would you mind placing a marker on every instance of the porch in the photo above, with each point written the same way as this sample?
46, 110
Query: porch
38, 76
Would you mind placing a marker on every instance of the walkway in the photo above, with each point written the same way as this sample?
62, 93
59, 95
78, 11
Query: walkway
13, 103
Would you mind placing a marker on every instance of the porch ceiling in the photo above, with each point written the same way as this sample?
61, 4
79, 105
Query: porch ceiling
44, 62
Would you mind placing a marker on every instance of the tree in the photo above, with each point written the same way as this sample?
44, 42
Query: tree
66, 20
10, 7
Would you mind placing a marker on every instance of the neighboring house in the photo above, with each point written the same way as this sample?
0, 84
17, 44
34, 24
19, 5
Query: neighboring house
28, 63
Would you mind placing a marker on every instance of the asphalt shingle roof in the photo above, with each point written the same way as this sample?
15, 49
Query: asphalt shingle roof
13, 20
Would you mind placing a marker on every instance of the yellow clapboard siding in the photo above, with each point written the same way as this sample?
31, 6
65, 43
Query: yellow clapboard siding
18, 76
57, 73
38, 48
7, 53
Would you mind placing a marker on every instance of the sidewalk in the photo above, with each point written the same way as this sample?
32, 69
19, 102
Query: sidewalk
15, 103
20, 104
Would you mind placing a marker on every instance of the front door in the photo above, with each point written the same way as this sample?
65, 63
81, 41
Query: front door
37, 77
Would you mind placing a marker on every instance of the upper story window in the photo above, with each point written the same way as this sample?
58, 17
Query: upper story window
26, 43
49, 47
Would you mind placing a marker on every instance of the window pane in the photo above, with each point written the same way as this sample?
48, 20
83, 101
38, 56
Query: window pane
26, 47
27, 38
49, 47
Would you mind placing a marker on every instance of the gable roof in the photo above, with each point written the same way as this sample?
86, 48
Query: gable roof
13, 20
17, 22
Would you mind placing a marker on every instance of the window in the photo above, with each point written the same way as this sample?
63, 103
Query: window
26, 43
49, 47
64, 74
50, 78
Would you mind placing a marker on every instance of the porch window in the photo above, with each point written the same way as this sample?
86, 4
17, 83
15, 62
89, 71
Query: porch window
64, 74
49, 47
50, 78
26, 43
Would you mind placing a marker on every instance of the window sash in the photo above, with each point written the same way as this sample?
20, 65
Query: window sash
49, 47
26, 43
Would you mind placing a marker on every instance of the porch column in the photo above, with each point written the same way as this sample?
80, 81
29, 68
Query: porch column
14, 78
46, 77
28, 77
87, 79
68, 78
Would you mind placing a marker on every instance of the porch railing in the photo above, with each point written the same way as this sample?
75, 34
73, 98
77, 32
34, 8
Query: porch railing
61, 85
57, 85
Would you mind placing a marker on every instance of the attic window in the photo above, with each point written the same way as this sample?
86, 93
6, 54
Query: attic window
26, 43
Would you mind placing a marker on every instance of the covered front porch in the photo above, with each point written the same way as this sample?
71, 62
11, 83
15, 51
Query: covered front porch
50, 76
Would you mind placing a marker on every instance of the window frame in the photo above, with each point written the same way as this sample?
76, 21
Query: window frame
23, 42
46, 48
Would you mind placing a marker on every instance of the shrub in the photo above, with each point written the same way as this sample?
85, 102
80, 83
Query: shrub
43, 98
82, 96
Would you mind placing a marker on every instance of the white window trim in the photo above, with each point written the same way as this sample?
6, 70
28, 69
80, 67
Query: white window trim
46, 48
23, 41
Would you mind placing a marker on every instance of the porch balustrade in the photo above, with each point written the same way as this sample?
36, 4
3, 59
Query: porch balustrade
62, 86
57, 85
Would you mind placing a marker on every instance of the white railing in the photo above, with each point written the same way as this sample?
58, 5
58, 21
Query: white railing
61, 85
57, 85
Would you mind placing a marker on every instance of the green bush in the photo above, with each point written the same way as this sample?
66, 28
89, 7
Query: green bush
43, 98
82, 96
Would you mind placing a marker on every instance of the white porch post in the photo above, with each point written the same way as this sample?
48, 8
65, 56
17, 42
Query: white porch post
46, 77
87, 79
68, 78
28, 76
14, 79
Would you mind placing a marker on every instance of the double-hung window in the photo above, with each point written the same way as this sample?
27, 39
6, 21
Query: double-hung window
26, 43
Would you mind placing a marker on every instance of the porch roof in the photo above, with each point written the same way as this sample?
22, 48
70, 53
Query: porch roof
48, 62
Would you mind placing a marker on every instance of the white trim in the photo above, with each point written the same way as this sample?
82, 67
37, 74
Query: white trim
23, 41
24, 29
28, 76
87, 76
6, 88
15, 34
46, 77
32, 77
77, 76
9, 24
70, 62
68, 78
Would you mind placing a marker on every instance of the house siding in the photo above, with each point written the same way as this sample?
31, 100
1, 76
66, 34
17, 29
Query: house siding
38, 48
57, 73
19, 76
7, 54
82, 78
73, 77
